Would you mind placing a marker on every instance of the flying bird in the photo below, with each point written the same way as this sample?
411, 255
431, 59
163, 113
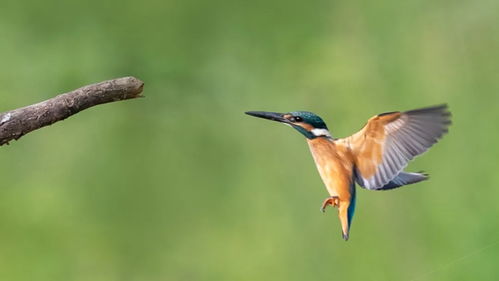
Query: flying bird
374, 157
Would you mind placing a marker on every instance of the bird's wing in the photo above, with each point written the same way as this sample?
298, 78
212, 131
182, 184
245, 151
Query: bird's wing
383, 148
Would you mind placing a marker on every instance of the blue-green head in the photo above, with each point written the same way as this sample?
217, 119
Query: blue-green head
305, 122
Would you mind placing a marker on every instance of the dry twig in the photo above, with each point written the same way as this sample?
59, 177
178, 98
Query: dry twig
18, 122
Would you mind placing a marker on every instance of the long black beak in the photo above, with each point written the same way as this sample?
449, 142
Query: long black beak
279, 117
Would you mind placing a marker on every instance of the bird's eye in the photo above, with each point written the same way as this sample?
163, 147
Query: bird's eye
296, 119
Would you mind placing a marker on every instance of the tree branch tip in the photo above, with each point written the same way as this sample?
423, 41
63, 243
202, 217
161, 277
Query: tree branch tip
18, 122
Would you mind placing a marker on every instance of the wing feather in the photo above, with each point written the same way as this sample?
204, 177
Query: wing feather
386, 144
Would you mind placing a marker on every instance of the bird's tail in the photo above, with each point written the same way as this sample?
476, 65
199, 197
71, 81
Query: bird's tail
346, 212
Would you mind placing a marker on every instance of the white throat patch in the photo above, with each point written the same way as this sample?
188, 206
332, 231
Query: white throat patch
321, 133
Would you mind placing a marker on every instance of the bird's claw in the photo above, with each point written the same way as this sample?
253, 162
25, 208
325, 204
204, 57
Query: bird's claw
332, 200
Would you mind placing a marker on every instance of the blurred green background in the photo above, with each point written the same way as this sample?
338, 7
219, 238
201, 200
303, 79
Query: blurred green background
181, 185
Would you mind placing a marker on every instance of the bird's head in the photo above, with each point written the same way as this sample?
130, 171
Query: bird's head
307, 123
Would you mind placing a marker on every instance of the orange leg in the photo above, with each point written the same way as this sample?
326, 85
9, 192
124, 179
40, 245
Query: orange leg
332, 200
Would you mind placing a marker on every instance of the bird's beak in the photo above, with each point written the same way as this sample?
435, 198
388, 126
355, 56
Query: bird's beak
274, 116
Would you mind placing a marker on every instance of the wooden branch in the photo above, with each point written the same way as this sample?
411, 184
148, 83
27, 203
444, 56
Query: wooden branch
18, 122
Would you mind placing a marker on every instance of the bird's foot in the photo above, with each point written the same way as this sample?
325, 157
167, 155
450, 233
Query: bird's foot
332, 200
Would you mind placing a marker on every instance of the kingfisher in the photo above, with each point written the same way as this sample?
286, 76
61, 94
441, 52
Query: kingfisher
374, 157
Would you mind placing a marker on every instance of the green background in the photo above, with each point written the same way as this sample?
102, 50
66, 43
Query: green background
181, 185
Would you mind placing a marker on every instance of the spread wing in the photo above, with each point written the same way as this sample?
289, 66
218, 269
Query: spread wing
383, 148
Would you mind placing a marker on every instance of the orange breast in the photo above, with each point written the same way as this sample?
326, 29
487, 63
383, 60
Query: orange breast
335, 165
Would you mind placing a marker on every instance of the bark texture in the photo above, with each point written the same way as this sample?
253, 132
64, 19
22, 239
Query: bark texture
18, 122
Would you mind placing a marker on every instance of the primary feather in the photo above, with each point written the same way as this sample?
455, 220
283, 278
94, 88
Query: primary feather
383, 148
